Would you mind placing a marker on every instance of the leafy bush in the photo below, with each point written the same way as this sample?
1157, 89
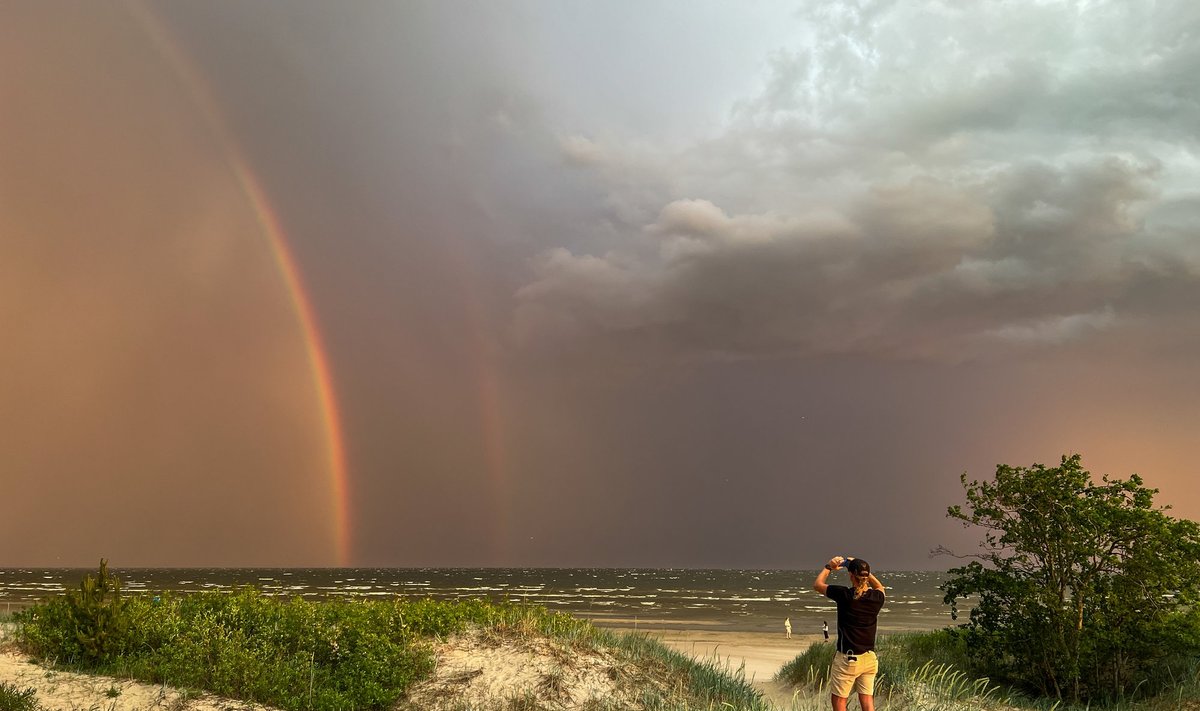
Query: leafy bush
1085, 591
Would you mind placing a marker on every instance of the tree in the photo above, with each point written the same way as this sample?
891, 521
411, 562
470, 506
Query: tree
99, 615
1083, 590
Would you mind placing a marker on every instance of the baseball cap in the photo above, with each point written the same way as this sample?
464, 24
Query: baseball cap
858, 566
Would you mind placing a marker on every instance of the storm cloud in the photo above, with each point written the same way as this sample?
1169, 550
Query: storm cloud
915, 180
631, 284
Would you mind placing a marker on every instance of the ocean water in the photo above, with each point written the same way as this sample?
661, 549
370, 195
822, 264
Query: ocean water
742, 600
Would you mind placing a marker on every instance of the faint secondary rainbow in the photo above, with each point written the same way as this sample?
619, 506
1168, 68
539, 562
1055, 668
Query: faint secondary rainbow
491, 423
199, 93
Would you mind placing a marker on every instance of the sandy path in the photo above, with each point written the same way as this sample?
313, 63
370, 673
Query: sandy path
762, 653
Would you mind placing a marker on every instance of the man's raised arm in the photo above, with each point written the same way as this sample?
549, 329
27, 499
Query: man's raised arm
819, 584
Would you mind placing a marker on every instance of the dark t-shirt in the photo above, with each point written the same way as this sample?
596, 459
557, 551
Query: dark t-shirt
856, 619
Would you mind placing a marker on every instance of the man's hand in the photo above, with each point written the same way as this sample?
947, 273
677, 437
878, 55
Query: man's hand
819, 584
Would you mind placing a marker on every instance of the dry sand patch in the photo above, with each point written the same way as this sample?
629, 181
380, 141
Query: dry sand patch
69, 691
478, 670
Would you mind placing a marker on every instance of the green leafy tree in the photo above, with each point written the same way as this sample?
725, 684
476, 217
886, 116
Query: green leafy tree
1083, 590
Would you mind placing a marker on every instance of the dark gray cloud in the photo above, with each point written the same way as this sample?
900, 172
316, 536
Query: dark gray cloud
913, 180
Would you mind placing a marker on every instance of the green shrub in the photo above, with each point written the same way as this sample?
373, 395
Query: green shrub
99, 615
295, 654
88, 626
13, 699
337, 654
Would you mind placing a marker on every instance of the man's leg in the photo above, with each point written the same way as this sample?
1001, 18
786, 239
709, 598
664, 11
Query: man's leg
839, 702
865, 684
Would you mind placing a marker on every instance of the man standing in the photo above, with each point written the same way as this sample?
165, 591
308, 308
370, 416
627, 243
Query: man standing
854, 663
787, 626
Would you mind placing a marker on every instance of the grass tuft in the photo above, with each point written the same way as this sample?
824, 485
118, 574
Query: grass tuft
15, 699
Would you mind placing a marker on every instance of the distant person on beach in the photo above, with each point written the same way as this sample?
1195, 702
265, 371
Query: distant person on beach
825, 629
855, 663
787, 626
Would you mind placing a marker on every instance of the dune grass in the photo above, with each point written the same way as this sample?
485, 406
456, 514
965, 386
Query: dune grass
338, 654
929, 671
13, 698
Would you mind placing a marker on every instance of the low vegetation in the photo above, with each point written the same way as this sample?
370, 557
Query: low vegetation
919, 671
341, 654
931, 671
15, 699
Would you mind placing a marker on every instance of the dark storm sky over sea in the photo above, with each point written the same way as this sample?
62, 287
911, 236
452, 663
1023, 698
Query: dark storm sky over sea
597, 284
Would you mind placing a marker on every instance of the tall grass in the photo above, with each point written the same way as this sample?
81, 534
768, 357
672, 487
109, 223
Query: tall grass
693, 684
931, 671
917, 672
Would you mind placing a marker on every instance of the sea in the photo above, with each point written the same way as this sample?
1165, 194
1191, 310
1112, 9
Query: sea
731, 600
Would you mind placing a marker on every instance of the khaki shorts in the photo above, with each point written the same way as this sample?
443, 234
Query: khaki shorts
846, 677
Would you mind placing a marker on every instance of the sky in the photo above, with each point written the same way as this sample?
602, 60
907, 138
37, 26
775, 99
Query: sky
650, 284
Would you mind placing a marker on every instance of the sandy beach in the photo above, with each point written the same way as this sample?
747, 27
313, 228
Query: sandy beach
761, 653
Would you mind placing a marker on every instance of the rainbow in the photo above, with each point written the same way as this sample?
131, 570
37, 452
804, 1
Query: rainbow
198, 91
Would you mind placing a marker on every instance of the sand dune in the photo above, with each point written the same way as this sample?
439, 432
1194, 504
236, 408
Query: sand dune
759, 654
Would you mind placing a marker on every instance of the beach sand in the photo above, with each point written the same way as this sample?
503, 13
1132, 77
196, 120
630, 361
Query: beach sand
69, 691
